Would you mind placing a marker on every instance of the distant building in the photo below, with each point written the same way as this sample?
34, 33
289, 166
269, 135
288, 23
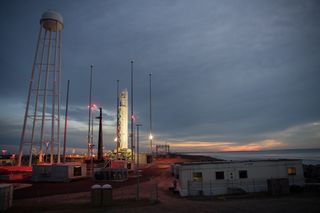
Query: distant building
162, 149
7, 160
224, 177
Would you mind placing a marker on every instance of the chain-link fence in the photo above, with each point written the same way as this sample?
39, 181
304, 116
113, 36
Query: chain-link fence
209, 188
146, 190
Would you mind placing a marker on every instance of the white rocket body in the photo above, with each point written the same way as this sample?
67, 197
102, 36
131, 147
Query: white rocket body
123, 120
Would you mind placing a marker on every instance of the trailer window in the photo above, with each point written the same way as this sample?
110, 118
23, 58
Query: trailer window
220, 175
243, 174
77, 171
197, 176
292, 171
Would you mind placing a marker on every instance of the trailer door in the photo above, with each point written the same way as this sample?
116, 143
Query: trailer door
230, 176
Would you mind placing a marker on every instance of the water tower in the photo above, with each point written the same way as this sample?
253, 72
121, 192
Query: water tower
41, 126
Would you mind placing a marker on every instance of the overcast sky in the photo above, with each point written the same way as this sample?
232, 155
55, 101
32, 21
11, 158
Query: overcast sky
227, 75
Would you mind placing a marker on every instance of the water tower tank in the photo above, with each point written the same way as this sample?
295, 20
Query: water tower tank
52, 21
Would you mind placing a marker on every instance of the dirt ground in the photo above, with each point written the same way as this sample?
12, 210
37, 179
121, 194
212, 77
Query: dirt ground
158, 174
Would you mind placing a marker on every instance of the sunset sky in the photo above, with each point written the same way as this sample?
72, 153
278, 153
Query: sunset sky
227, 75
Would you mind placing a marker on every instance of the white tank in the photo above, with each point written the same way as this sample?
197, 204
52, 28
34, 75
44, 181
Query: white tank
52, 21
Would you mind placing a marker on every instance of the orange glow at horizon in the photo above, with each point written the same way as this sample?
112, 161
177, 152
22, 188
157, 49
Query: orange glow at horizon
196, 145
242, 148
228, 146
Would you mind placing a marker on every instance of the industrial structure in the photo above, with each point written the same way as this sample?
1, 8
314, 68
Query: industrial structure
162, 149
100, 139
229, 177
41, 126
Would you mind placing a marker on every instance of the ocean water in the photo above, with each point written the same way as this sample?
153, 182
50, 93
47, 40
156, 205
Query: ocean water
308, 156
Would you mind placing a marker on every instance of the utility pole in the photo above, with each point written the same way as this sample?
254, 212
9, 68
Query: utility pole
118, 122
132, 115
137, 168
90, 106
66, 125
150, 135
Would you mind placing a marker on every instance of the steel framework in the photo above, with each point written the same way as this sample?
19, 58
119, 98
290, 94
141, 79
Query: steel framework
41, 125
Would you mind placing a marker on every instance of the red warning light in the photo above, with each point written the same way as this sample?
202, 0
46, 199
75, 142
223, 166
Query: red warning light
133, 117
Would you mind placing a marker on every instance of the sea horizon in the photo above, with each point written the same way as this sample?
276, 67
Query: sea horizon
307, 155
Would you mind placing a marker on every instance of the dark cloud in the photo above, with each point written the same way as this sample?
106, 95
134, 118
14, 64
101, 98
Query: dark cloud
231, 70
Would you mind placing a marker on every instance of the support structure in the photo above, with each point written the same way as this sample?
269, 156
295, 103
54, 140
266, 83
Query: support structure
100, 140
162, 149
41, 125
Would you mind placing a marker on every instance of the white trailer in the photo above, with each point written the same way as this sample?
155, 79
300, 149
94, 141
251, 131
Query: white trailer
63, 172
223, 177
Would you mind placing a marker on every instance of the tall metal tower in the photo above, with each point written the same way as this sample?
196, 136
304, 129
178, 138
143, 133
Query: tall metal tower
90, 108
41, 125
150, 115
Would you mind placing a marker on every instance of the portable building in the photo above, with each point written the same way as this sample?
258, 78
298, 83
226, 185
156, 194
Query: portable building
63, 172
223, 177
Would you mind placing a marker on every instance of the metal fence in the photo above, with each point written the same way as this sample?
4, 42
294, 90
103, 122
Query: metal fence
145, 191
209, 188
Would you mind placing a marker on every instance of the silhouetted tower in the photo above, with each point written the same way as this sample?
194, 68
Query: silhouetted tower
100, 141
41, 126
